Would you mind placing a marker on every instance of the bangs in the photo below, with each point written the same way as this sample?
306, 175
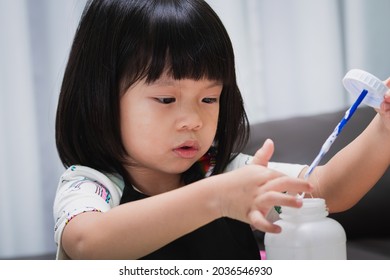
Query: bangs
119, 43
175, 39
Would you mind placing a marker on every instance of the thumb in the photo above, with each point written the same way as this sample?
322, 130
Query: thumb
264, 154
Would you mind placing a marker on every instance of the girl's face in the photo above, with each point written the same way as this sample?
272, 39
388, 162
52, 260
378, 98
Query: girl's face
168, 125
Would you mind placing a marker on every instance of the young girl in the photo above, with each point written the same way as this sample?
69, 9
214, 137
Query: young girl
150, 125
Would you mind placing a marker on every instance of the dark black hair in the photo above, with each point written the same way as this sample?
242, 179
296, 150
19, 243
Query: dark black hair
119, 42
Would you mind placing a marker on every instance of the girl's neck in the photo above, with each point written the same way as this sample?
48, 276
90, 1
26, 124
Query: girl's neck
153, 184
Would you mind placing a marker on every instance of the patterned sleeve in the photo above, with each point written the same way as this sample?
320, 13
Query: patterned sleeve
81, 189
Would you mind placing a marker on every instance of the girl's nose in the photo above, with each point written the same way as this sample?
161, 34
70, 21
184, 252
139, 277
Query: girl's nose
189, 119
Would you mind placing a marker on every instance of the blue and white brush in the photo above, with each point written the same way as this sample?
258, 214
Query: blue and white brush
328, 143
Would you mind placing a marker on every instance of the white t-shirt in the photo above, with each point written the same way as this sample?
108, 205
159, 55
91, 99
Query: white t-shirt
83, 189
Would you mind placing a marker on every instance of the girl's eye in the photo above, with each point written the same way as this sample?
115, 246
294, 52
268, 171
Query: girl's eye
165, 100
210, 100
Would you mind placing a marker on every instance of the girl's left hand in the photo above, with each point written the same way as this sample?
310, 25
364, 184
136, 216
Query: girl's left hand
384, 110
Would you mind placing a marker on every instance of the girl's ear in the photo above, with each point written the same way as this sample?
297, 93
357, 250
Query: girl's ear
264, 154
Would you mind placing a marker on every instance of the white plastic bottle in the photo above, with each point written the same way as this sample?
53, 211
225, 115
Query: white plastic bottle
307, 234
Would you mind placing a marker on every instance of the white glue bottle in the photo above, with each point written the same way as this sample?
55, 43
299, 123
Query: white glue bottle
307, 234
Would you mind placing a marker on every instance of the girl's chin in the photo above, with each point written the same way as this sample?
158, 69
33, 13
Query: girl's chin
173, 167
183, 167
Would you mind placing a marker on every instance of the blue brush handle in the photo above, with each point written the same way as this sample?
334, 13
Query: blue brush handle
325, 147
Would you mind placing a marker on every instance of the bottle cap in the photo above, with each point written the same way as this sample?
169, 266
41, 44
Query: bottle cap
355, 81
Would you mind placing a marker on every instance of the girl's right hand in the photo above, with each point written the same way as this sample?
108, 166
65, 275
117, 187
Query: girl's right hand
250, 192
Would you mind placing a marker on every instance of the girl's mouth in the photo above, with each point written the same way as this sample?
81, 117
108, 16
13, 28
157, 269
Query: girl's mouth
187, 150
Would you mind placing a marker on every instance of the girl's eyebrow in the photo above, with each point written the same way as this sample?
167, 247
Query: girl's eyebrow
215, 84
163, 82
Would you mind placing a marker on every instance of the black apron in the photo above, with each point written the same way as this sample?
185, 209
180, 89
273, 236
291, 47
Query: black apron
222, 239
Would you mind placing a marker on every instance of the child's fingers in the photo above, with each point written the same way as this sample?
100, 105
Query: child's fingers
387, 95
264, 154
387, 82
287, 184
270, 199
385, 105
257, 220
